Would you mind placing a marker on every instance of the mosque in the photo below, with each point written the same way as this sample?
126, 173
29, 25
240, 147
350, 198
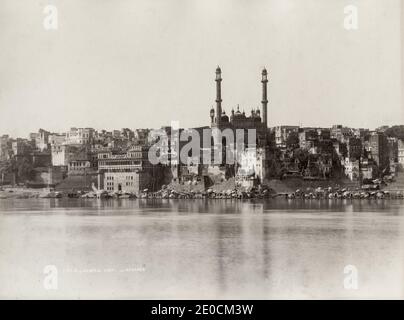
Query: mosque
239, 120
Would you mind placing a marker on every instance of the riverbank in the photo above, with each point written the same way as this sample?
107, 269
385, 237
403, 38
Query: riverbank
252, 193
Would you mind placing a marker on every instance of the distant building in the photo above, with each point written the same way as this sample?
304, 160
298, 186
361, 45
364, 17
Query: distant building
392, 145
282, 134
20, 147
116, 133
354, 148
62, 154
352, 169
340, 148
42, 140
379, 149
141, 136
400, 152
5, 147
341, 133
79, 136
127, 134
308, 138
362, 133
368, 169
56, 139
79, 163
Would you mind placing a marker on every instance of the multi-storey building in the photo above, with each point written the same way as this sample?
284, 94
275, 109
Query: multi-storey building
5, 147
127, 172
308, 137
400, 152
352, 169
20, 147
41, 139
341, 133
392, 145
354, 148
368, 169
141, 136
282, 134
56, 139
379, 149
62, 154
79, 136
252, 166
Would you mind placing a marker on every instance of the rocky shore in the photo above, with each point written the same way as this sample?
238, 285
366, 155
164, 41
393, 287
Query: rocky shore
167, 192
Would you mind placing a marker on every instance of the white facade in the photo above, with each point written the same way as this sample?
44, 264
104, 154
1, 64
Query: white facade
61, 154
42, 140
57, 139
351, 169
401, 153
59, 157
251, 163
79, 135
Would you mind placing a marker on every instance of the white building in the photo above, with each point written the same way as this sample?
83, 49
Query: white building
62, 154
401, 153
251, 166
352, 169
57, 139
79, 136
42, 140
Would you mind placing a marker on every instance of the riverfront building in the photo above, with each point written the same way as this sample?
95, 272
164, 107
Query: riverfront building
127, 172
401, 153
379, 149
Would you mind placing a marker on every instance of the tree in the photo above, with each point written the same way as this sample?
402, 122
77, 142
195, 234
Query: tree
303, 157
396, 132
8, 166
25, 170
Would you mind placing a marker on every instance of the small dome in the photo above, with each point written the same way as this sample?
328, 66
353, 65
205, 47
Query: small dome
224, 117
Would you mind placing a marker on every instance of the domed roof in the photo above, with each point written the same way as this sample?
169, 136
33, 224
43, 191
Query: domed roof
224, 117
238, 113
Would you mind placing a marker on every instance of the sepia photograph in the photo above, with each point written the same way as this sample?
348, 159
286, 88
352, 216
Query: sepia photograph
201, 150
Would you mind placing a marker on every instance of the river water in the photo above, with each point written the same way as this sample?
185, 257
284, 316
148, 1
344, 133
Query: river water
213, 249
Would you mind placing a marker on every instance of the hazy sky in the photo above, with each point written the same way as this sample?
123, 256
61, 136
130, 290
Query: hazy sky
143, 63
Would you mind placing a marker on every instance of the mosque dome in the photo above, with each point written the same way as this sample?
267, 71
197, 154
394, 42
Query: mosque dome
225, 118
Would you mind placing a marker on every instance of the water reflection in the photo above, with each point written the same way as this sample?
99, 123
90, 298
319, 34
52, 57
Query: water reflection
202, 248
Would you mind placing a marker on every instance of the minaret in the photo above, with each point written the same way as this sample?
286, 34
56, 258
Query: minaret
218, 95
264, 97
212, 115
